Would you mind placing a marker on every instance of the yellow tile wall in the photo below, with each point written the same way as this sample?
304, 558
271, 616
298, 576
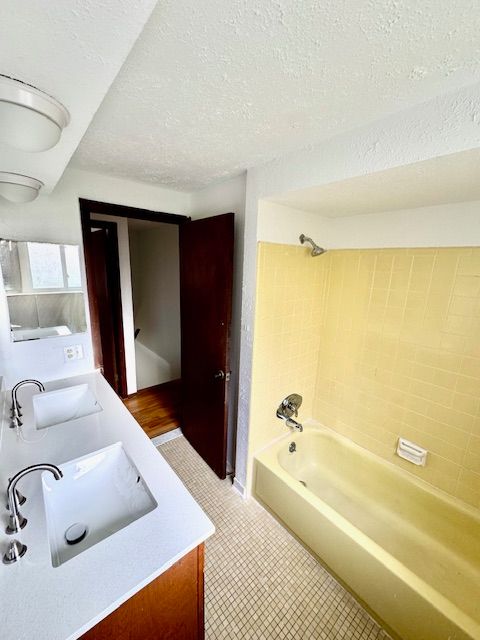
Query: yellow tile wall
290, 295
380, 343
399, 354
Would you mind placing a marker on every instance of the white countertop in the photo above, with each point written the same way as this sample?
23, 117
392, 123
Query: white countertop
42, 602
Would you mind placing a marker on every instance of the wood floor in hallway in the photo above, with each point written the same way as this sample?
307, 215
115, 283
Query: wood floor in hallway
156, 409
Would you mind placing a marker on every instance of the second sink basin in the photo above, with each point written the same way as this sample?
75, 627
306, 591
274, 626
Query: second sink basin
63, 405
99, 494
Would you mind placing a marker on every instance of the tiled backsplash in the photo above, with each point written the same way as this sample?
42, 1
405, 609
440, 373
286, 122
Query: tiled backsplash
380, 343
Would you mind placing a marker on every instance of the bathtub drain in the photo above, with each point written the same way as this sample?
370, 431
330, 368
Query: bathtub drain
303, 482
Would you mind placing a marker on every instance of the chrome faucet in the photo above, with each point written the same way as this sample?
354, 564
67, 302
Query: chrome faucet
290, 422
16, 414
16, 520
289, 407
21, 499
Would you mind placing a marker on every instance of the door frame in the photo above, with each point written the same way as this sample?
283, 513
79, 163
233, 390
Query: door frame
88, 207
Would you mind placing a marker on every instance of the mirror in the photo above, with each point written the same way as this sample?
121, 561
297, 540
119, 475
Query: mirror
43, 284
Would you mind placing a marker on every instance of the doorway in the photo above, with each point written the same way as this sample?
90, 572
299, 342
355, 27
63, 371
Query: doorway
155, 285
172, 326
155, 278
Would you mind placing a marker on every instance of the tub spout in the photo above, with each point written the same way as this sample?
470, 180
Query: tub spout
290, 422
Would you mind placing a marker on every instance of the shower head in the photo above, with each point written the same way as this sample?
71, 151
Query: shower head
316, 250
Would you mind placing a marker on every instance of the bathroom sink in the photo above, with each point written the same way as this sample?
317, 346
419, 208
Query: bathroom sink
64, 405
39, 332
99, 494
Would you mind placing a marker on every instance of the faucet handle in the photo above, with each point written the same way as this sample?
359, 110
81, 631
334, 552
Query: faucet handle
290, 407
14, 552
15, 523
15, 422
291, 404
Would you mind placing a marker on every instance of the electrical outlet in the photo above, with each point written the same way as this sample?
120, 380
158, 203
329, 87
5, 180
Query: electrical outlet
73, 352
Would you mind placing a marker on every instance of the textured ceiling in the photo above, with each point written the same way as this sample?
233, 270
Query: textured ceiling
72, 50
213, 87
441, 180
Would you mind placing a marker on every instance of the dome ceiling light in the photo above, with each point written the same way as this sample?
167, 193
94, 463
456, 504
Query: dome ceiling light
17, 188
30, 120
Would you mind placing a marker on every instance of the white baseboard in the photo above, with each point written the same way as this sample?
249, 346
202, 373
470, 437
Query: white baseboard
166, 437
239, 488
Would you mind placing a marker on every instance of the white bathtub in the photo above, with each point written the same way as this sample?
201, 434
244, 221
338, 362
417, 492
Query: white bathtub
409, 552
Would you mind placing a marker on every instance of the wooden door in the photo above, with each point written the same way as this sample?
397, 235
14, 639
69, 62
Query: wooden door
206, 279
103, 281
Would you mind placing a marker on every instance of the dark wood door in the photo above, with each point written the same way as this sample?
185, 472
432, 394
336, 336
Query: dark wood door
206, 276
103, 280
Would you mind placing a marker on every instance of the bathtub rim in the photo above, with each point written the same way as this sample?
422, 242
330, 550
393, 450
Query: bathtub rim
314, 426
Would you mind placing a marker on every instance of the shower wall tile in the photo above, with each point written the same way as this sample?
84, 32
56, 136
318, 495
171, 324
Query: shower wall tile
290, 296
399, 355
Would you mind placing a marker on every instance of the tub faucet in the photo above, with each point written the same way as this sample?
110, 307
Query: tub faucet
16, 520
16, 414
289, 407
290, 422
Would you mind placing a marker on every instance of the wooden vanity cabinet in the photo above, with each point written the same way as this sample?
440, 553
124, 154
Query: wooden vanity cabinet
171, 607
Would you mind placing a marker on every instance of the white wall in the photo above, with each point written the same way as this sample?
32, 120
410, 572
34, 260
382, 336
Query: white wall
156, 298
225, 197
282, 224
447, 225
439, 127
56, 218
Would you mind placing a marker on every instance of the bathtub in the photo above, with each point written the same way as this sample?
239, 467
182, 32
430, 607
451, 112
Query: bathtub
409, 552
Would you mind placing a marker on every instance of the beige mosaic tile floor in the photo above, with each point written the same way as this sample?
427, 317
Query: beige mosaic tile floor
260, 583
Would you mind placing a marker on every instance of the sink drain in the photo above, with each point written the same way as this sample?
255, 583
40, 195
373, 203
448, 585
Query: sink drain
76, 533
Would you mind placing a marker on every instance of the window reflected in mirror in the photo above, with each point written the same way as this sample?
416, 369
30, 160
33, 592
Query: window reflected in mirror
43, 285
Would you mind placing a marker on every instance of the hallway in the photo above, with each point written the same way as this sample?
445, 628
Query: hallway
156, 409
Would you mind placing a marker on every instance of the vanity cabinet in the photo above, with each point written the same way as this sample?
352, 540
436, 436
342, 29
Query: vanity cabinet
171, 607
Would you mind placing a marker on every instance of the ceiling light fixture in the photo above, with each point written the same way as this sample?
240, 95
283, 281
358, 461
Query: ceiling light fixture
30, 120
17, 188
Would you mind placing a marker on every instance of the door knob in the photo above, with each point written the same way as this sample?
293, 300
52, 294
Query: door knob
221, 375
